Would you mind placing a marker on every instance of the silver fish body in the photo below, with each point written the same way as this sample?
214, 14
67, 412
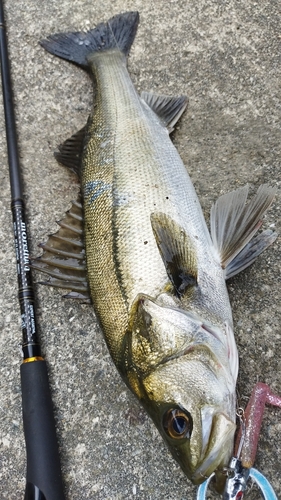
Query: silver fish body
148, 178
157, 280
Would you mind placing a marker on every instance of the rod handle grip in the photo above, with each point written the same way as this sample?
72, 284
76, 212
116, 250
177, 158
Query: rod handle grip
43, 475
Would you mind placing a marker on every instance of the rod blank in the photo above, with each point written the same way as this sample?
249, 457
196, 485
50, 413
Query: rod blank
43, 478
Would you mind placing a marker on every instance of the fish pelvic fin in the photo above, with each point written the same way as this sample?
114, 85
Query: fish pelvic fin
250, 252
63, 258
168, 109
177, 252
234, 223
117, 33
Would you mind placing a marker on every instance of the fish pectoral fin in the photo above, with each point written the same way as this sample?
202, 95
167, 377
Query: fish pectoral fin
168, 109
70, 151
234, 222
63, 258
177, 252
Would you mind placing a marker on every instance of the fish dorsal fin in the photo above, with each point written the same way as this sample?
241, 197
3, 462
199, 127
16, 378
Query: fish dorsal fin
234, 222
177, 252
70, 151
63, 258
168, 109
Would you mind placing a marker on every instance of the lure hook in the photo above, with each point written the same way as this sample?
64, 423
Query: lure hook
256, 476
240, 468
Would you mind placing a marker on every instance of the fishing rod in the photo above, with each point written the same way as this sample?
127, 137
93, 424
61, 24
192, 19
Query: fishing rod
43, 476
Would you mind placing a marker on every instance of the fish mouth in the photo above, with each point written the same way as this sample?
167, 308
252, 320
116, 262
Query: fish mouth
217, 446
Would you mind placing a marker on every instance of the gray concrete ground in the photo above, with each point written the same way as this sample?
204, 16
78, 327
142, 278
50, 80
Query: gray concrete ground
225, 55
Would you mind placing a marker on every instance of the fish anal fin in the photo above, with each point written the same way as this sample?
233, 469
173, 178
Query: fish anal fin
168, 109
177, 252
63, 258
234, 222
70, 152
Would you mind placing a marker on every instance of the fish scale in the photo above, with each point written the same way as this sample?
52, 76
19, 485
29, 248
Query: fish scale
98, 164
156, 277
148, 173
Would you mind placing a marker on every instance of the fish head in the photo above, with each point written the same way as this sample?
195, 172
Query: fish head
179, 369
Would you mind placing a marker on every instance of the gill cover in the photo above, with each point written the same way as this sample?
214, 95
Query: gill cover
182, 368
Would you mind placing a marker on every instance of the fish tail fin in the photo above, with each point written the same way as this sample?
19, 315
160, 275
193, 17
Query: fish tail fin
119, 32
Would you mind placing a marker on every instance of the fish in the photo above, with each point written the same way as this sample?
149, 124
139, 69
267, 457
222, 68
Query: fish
137, 246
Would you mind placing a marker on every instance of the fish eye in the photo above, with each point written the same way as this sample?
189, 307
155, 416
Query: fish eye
177, 423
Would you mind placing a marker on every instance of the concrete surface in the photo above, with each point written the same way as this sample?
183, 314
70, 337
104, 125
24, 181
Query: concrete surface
225, 55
